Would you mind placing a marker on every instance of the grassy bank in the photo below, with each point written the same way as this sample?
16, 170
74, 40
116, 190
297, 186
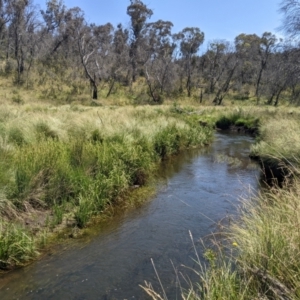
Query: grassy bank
259, 258
264, 243
62, 166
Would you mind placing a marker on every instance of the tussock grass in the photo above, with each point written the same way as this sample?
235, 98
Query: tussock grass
77, 161
17, 246
280, 138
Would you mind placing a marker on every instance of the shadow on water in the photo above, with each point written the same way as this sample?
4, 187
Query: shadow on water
199, 187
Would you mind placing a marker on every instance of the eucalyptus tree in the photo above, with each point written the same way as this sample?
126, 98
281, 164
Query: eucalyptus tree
87, 48
159, 68
247, 47
55, 19
293, 69
104, 57
5, 17
267, 44
94, 45
22, 27
291, 20
120, 58
190, 39
139, 14
283, 74
277, 77
58, 35
214, 65
254, 53
226, 76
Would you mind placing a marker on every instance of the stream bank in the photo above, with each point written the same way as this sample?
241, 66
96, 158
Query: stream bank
199, 188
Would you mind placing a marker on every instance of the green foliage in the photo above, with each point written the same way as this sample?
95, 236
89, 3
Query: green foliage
96, 136
224, 123
16, 245
58, 213
84, 212
43, 131
167, 142
239, 119
16, 136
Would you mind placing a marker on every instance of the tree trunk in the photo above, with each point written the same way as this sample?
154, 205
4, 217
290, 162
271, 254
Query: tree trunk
111, 88
271, 99
277, 96
259, 80
133, 56
94, 88
95, 92
189, 86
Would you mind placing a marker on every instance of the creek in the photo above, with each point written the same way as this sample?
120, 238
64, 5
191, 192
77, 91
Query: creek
197, 189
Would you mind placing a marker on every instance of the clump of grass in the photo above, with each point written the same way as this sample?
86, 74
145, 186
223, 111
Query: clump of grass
16, 136
280, 139
238, 118
43, 131
224, 123
167, 142
57, 215
7, 208
84, 211
16, 245
269, 241
96, 136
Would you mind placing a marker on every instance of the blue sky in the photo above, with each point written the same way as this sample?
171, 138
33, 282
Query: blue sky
218, 19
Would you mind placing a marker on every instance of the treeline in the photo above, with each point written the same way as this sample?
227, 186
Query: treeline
57, 47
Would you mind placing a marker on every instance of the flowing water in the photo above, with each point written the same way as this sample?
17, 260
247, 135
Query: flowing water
198, 189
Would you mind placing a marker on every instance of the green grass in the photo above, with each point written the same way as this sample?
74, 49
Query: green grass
75, 163
239, 119
17, 246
